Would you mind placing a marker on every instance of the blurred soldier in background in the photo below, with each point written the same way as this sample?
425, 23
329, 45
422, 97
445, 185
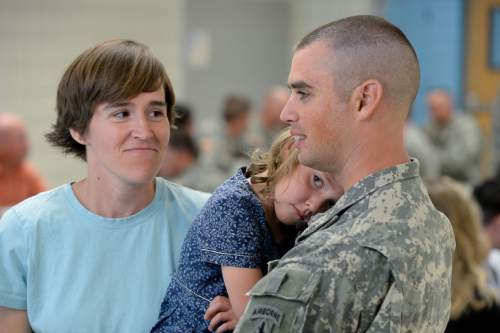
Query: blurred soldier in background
233, 146
272, 105
418, 145
456, 137
180, 164
184, 119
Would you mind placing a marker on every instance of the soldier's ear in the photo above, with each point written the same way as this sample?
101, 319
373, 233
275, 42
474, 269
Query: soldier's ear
366, 97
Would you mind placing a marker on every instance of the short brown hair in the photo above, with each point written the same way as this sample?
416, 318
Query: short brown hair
111, 71
369, 47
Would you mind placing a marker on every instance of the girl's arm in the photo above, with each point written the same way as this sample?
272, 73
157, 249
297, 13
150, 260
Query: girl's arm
238, 282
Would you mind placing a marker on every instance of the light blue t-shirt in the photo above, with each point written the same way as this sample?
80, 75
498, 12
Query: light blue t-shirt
75, 271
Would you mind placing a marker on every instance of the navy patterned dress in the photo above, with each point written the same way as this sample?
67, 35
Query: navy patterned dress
230, 230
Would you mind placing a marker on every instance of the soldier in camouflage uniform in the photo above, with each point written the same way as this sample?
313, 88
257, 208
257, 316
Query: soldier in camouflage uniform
456, 138
380, 259
419, 146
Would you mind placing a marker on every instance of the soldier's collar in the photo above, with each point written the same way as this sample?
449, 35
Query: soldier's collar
360, 190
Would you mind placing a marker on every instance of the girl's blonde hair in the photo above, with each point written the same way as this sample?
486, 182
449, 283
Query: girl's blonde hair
469, 288
270, 166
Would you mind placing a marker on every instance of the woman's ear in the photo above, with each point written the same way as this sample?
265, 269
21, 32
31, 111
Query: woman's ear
367, 97
77, 136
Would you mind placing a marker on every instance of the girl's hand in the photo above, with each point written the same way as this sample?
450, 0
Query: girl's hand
221, 315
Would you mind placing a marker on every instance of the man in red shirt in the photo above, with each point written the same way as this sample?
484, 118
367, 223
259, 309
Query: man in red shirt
18, 179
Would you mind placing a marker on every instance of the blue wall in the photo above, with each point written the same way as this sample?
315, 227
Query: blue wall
495, 39
436, 28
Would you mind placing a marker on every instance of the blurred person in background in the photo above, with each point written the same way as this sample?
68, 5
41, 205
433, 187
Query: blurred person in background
231, 149
418, 145
236, 114
474, 307
487, 194
94, 255
272, 105
186, 158
184, 119
18, 178
456, 138
180, 164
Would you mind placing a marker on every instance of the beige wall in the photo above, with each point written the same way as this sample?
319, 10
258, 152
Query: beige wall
310, 14
38, 39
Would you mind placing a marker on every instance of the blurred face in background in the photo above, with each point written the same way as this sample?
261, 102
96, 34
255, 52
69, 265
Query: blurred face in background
14, 144
440, 107
175, 162
274, 102
238, 125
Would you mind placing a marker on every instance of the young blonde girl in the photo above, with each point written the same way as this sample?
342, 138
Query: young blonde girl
248, 221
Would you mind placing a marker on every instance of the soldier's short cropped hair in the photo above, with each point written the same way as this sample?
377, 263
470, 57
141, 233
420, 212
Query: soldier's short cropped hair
111, 71
369, 47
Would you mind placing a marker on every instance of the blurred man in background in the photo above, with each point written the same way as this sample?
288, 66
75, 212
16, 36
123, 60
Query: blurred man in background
233, 146
236, 114
272, 105
456, 138
180, 164
419, 146
184, 119
18, 179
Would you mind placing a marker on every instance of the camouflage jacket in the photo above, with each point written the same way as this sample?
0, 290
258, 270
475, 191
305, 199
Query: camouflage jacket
378, 261
458, 147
